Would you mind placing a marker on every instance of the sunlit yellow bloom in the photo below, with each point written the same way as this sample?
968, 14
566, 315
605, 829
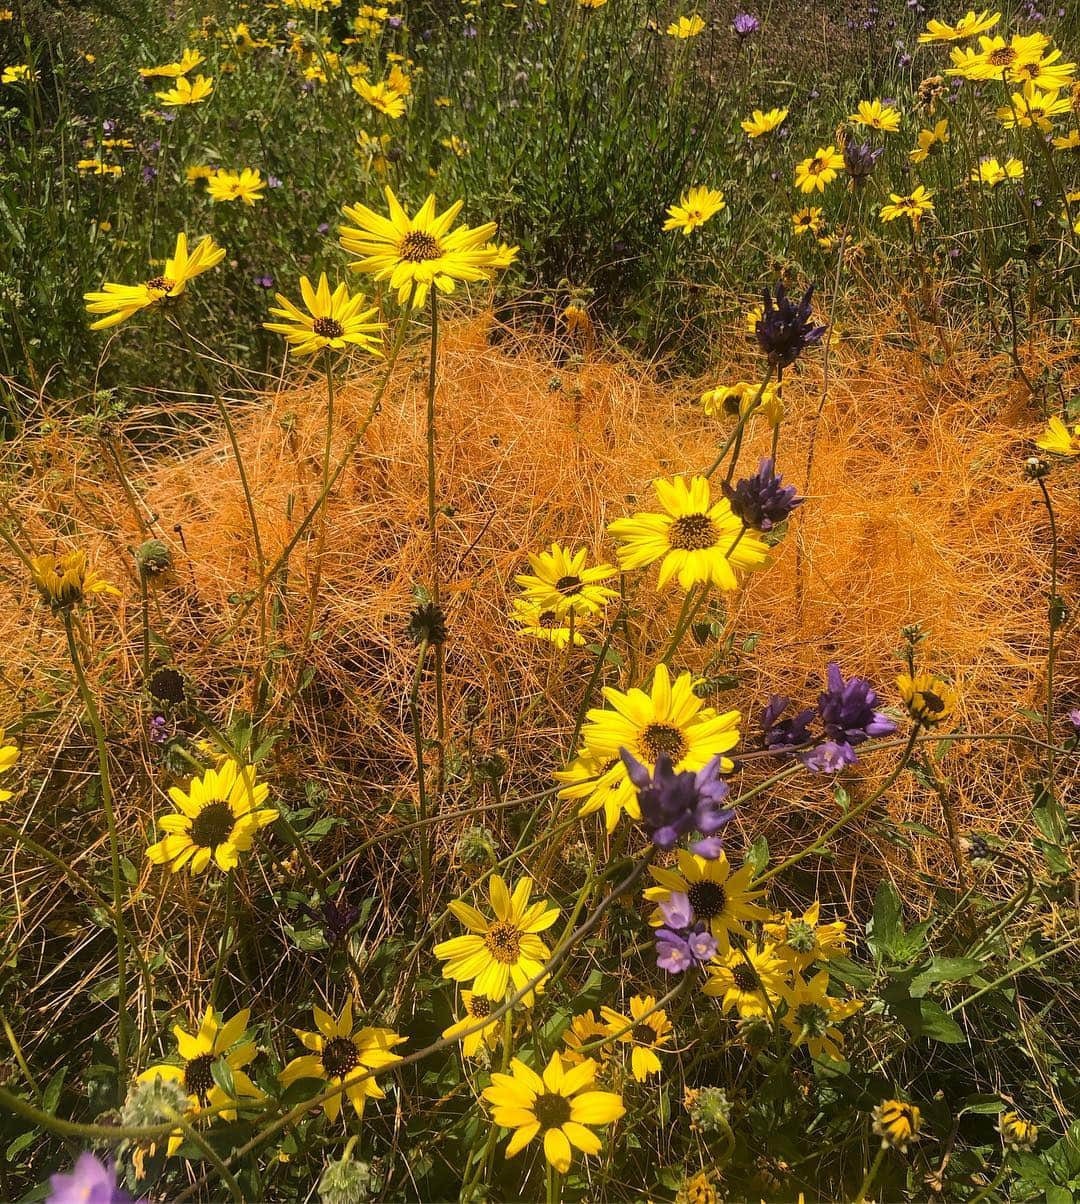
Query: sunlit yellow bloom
246, 185
929, 140
213, 1045
995, 56
381, 97
929, 699
187, 93
694, 209
334, 320
7, 14
722, 900
807, 220
876, 116
416, 253
1032, 107
457, 145
19, 73
802, 941
502, 255
1069, 141
896, 1123
737, 399
592, 3
189, 60
759, 123
67, 579
343, 1054
543, 623
477, 1008
914, 206
1058, 439
602, 784
820, 169
686, 27
199, 171
753, 316
1016, 1132
96, 167
9, 754
1043, 71
562, 581
558, 1106
216, 818
239, 37
991, 172
968, 25
696, 540
644, 1036
500, 952
751, 980
583, 1030
813, 1014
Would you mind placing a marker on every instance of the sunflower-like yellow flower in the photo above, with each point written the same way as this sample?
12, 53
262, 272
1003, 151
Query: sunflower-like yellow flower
1032, 108
645, 1034
1017, 1133
686, 27
98, 167
914, 206
585, 1029
737, 399
897, 1123
342, 1053
929, 699
416, 253
189, 60
819, 169
334, 320
1043, 71
559, 1106
187, 92
801, 941
600, 784
67, 579
1058, 439
215, 1043
992, 173
246, 185
760, 123
477, 1008
561, 581
240, 39
928, 141
19, 73
813, 1014
694, 209
967, 27
751, 981
1069, 141
215, 818
808, 220
876, 116
120, 301
382, 98
9, 754
500, 952
544, 623
697, 540
722, 900
996, 57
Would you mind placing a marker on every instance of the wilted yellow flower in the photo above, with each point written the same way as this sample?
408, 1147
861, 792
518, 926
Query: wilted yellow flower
67, 579
897, 1123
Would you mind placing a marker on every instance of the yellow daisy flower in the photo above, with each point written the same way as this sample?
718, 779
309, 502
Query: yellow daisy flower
751, 980
644, 1037
584, 1030
216, 818
416, 253
477, 1007
96, 167
186, 92
721, 899
67, 579
694, 209
1016, 1132
214, 1043
808, 220
992, 173
967, 27
19, 73
246, 185
1031, 107
896, 1123
334, 320
1058, 439
382, 98
1069, 141
914, 206
737, 399
9, 754
696, 539
500, 952
759, 123
929, 699
753, 316
802, 941
1043, 71
560, 581
189, 60
543, 623
602, 784
876, 116
559, 1106
343, 1054
813, 1014
928, 141
820, 169
686, 27
995, 56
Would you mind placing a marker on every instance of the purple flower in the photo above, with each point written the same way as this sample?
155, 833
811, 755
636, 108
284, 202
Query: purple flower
469, 31
1074, 719
846, 709
273, 182
860, 158
322, 228
90, 1182
159, 729
829, 757
745, 24
785, 330
762, 500
677, 911
148, 173
905, 60
264, 281
779, 734
673, 804
672, 952
395, 22
703, 945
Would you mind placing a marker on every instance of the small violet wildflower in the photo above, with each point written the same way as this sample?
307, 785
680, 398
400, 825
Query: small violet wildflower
673, 804
785, 329
762, 501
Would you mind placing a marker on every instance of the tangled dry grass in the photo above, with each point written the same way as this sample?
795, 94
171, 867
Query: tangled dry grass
917, 512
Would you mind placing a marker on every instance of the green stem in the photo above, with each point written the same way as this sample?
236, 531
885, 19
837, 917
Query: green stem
226, 946
114, 847
421, 777
736, 435
211, 1156
871, 1175
1052, 626
992, 1187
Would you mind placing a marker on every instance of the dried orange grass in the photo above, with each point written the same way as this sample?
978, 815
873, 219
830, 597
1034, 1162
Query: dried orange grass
917, 512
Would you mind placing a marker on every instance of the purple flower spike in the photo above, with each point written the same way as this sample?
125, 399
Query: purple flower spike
778, 733
1074, 719
672, 952
846, 709
785, 330
763, 500
745, 24
860, 159
90, 1182
673, 804
829, 757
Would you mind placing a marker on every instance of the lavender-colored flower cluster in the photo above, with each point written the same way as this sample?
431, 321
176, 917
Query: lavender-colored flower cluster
763, 500
682, 941
674, 804
90, 1182
785, 329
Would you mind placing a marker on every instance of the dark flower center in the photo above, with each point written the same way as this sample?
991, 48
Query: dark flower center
504, 942
643, 1034
662, 737
548, 619
552, 1111
417, 247
328, 328
199, 1077
708, 899
339, 1056
692, 532
1003, 57
932, 702
213, 825
167, 685
745, 978
161, 284
569, 586
479, 1007
813, 1018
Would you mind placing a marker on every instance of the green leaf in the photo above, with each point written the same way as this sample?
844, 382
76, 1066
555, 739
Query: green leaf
20, 1143
982, 1105
223, 1076
884, 927
850, 973
937, 1026
757, 855
944, 969
51, 1096
1059, 1195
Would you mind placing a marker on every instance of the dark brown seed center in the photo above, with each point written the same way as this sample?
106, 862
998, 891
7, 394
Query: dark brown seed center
161, 284
568, 586
213, 825
417, 247
662, 737
199, 1077
328, 328
708, 899
479, 1007
504, 942
692, 532
552, 1111
339, 1056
